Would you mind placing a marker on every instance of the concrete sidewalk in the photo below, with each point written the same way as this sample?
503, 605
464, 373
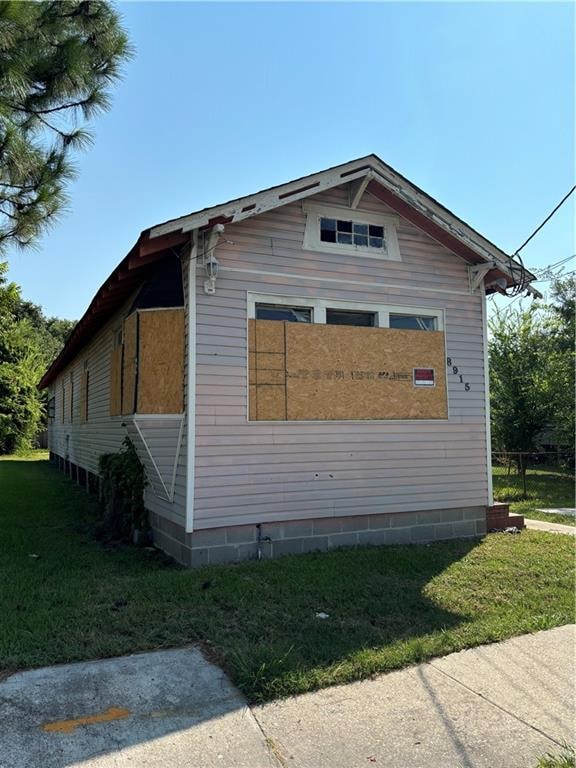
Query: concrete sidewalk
495, 706
544, 525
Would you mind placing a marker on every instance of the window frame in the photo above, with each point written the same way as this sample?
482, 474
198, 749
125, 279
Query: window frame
318, 306
316, 211
260, 304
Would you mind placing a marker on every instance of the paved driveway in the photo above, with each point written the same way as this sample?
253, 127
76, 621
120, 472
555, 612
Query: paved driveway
494, 706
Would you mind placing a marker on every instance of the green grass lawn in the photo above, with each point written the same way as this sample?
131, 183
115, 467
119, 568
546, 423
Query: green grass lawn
565, 758
547, 488
388, 606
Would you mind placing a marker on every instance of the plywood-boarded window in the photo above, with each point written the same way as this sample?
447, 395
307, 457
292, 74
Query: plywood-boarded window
317, 372
148, 366
161, 361
84, 395
116, 374
130, 363
70, 402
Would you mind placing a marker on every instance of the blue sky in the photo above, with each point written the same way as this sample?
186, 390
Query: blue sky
474, 102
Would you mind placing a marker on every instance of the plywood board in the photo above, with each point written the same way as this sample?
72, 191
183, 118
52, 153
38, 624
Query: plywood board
270, 337
70, 401
161, 361
130, 363
116, 382
83, 398
340, 372
267, 370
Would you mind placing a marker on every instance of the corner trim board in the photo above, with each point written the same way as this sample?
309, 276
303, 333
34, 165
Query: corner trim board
487, 396
191, 385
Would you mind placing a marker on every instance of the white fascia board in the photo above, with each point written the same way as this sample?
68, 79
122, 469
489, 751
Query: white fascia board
269, 199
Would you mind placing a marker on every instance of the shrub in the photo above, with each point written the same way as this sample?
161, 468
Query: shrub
123, 483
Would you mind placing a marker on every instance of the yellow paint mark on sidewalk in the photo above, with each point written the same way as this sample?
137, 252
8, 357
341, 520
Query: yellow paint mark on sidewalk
69, 726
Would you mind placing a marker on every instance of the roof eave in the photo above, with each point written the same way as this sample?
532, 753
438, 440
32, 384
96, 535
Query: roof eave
116, 288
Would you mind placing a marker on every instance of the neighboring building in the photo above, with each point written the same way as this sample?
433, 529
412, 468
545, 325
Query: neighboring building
327, 337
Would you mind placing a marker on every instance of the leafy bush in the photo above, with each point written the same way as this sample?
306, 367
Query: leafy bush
123, 483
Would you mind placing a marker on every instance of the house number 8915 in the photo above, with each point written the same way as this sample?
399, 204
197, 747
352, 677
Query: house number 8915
456, 371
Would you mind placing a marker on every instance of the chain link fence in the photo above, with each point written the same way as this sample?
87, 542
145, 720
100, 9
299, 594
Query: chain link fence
545, 477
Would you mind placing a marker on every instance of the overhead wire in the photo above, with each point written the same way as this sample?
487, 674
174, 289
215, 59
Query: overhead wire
517, 268
546, 220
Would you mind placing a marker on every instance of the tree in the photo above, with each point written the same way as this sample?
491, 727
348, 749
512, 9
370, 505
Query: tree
57, 63
520, 387
560, 328
28, 343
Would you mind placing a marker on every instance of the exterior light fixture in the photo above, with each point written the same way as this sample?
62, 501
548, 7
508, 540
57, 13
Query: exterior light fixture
211, 266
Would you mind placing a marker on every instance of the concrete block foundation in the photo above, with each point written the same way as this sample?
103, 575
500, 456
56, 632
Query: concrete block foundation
247, 542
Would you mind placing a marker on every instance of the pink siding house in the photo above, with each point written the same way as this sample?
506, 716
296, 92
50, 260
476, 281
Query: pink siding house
298, 369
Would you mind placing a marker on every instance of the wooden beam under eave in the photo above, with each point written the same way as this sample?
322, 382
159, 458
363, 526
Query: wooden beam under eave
421, 221
356, 190
148, 247
137, 262
218, 220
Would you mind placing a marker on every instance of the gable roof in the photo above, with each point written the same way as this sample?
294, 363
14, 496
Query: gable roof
368, 173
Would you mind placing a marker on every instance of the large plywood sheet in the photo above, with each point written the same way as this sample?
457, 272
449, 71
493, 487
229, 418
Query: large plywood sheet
339, 372
116, 382
130, 363
161, 361
301, 372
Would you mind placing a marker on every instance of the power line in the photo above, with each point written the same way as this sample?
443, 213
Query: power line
553, 270
558, 263
547, 219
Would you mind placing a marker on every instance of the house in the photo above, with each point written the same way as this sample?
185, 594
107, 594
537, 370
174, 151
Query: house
298, 369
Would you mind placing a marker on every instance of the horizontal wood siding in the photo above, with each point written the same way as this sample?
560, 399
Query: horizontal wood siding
259, 472
84, 442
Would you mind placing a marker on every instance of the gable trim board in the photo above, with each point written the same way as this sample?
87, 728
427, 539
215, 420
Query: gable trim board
221, 475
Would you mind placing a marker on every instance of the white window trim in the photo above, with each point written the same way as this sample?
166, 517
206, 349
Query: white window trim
319, 307
315, 211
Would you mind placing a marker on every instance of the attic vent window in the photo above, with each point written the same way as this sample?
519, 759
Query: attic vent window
352, 233
335, 229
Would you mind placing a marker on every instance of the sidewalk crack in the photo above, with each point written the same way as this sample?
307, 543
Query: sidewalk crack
496, 705
273, 746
